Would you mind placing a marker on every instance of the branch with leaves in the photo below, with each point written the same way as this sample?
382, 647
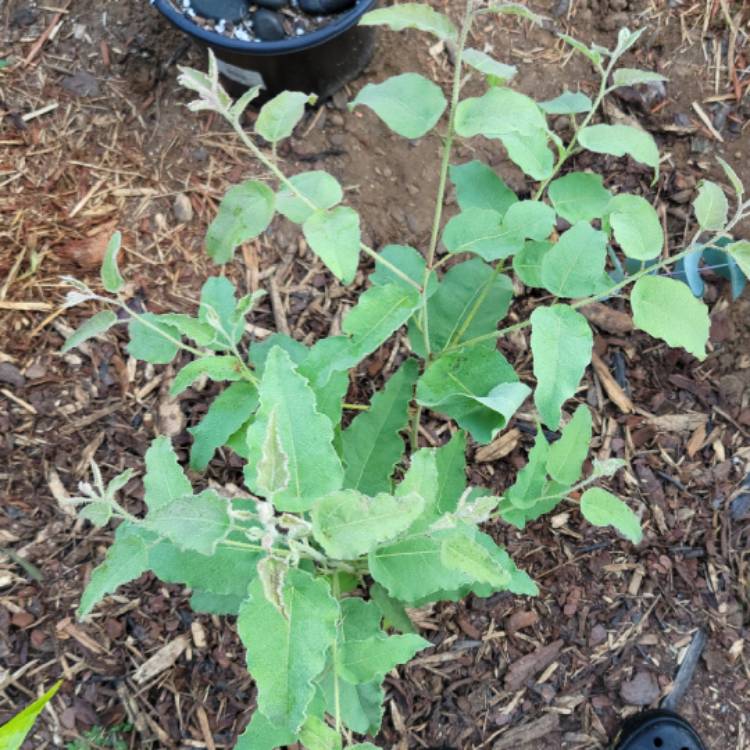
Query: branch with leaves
343, 528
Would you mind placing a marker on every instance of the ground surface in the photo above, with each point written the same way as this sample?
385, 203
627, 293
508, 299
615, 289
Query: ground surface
94, 135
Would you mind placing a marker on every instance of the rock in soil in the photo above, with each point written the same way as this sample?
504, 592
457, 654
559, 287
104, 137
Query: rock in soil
227, 10
642, 690
183, 208
82, 83
325, 7
267, 25
11, 375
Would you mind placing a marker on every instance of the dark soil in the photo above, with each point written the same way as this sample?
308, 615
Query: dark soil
94, 134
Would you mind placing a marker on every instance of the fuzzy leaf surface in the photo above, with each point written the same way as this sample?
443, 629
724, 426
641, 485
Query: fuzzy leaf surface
320, 188
568, 103
245, 212
602, 508
409, 104
371, 445
527, 263
279, 116
334, 237
97, 324
711, 206
486, 64
566, 455
165, 481
286, 654
111, 277
450, 461
305, 435
464, 554
574, 265
531, 220
561, 342
148, 344
579, 196
529, 485
483, 232
636, 226
621, 140
478, 186
220, 367
412, 16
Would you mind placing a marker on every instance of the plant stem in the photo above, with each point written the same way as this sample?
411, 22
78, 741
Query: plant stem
289, 185
444, 165
334, 649
414, 433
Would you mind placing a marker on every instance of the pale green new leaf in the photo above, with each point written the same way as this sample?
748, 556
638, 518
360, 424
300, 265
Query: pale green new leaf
278, 117
305, 435
112, 280
348, 524
621, 140
165, 481
483, 232
262, 734
193, 522
602, 508
320, 188
636, 226
245, 212
607, 468
476, 387
561, 342
225, 367
126, 560
228, 412
732, 176
371, 445
334, 237
464, 554
273, 467
579, 196
593, 55
378, 313
667, 309
566, 455
528, 263
409, 104
94, 326
317, 735
478, 186
499, 112
285, 654
412, 16
740, 252
574, 265
482, 62
152, 340
14, 732
711, 206
634, 77
568, 103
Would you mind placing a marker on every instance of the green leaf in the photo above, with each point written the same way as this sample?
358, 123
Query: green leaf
736, 182
574, 265
126, 560
244, 213
94, 326
528, 263
666, 309
561, 342
228, 412
406, 259
566, 456
422, 479
262, 734
593, 55
530, 481
273, 467
112, 280
394, 613
279, 116
636, 226
371, 445
409, 103
450, 460
317, 735
469, 287
361, 661
412, 16
202, 333
625, 40
378, 313
464, 554
482, 62
334, 237
532, 220
530, 153
14, 732
219, 309
634, 77
151, 345
482, 232
165, 481
360, 706
348, 524
740, 251
286, 653
320, 188
568, 103
305, 435
476, 387
477, 186
621, 140
602, 508
193, 522
579, 196
607, 468
217, 368
499, 112
711, 206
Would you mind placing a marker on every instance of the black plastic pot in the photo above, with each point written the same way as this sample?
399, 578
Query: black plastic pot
658, 730
317, 63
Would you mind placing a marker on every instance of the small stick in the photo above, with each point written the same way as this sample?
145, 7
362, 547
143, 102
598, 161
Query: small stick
706, 120
685, 672
39, 43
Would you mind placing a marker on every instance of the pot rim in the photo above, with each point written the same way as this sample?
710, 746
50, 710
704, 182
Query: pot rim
280, 47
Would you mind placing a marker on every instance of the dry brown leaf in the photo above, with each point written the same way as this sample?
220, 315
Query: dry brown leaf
88, 252
678, 422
